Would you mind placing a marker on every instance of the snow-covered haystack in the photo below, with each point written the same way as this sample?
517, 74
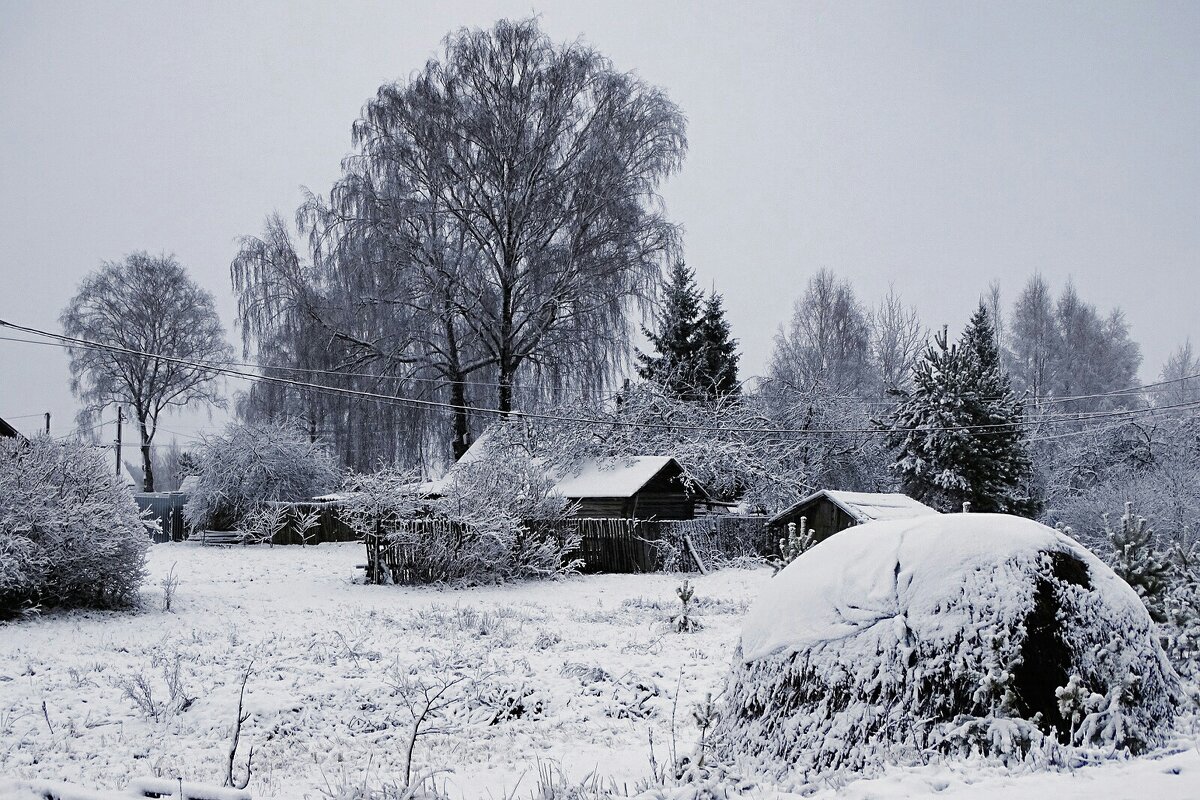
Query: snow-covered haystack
960, 634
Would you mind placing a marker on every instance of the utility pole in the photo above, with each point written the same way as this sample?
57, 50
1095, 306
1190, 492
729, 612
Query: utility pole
47, 423
120, 419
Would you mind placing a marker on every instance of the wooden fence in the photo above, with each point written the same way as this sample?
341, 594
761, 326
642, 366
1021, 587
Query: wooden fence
329, 528
605, 545
166, 510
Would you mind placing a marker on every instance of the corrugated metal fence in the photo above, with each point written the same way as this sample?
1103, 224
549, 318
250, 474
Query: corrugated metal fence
166, 509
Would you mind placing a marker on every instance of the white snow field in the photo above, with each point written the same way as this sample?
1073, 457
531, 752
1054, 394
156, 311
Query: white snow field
573, 675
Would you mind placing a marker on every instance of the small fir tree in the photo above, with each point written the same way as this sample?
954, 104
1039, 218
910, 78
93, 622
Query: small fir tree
1139, 562
956, 432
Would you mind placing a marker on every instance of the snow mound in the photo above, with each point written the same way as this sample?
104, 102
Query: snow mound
961, 633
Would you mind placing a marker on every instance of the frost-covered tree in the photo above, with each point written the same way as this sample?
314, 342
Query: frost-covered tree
1034, 339
992, 300
496, 517
897, 338
1181, 374
1095, 354
251, 464
493, 228
146, 304
70, 532
827, 342
957, 434
1088, 472
508, 505
1181, 633
1066, 348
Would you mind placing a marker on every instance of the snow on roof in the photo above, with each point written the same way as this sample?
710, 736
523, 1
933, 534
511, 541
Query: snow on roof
873, 577
594, 477
611, 477
866, 506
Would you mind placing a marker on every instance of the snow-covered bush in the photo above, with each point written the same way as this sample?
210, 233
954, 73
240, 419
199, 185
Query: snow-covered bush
512, 520
798, 540
1181, 632
70, 532
252, 464
959, 634
1167, 578
496, 518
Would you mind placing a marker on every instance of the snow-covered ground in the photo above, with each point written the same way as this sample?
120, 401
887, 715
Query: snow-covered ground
575, 674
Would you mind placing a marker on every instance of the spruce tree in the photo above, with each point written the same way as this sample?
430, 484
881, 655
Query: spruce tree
720, 357
677, 338
956, 432
1139, 562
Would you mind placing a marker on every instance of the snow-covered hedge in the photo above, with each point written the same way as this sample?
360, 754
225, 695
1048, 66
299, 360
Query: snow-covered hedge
958, 634
252, 464
70, 531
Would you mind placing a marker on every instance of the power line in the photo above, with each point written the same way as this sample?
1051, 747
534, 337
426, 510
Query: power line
985, 428
1157, 386
440, 382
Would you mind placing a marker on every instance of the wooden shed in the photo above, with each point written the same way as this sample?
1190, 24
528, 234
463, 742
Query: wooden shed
828, 511
638, 487
9, 431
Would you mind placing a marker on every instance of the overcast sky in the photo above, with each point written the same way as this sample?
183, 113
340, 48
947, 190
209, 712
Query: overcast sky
933, 146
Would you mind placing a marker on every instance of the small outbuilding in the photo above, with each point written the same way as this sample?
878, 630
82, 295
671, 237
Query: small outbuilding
637, 487
828, 511
8, 431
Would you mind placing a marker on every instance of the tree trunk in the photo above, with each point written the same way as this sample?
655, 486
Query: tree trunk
458, 388
506, 361
462, 432
147, 466
505, 393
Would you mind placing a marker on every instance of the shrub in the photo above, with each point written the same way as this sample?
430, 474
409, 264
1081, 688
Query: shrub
253, 464
496, 519
512, 518
956, 633
70, 532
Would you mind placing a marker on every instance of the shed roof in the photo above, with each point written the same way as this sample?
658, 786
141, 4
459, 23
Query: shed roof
590, 478
863, 506
612, 477
9, 430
